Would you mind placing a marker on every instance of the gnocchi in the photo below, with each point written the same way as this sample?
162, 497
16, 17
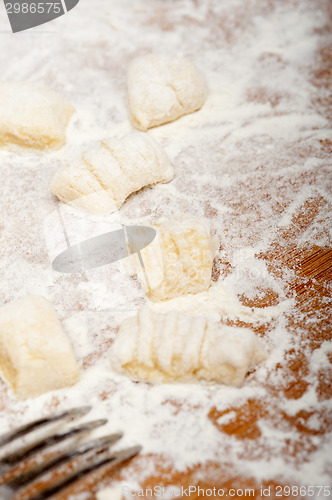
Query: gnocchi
32, 116
174, 347
35, 353
179, 260
162, 88
111, 172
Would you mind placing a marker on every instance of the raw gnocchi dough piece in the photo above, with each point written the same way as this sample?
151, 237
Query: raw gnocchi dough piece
162, 88
78, 186
32, 116
35, 353
110, 173
179, 260
174, 347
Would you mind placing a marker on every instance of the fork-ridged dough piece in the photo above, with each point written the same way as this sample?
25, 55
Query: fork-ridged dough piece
179, 260
32, 116
111, 172
35, 353
174, 347
162, 88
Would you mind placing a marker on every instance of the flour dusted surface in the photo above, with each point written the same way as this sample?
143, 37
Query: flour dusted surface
253, 160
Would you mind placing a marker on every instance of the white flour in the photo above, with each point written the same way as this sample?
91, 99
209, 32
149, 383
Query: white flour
240, 161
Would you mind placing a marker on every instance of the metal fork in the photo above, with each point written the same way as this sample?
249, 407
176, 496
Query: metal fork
25, 474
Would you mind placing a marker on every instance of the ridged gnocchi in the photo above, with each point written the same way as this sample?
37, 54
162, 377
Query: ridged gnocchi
111, 172
179, 260
174, 347
162, 88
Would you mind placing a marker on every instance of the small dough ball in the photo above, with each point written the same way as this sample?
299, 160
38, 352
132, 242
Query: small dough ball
162, 88
35, 353
179, 260
174, 347
111, 172
32, 116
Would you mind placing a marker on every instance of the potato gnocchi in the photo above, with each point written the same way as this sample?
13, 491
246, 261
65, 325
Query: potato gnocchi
162, 88
32, 116
179, 260
174, 347
35, 353
111, 172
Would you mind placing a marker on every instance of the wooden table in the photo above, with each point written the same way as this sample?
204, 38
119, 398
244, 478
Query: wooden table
258, 168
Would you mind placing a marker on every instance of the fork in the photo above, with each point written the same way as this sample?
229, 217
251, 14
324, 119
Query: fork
25, 474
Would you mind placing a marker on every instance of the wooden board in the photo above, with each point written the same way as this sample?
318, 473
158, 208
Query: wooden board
274, 185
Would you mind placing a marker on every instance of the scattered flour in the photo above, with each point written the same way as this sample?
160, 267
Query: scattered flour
245, 161
114, 493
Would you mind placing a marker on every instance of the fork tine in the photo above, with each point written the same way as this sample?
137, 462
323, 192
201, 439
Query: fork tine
93, 463
68, 415
63, 456
40, 445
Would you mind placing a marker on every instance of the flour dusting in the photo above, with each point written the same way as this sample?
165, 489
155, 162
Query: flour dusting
255, 162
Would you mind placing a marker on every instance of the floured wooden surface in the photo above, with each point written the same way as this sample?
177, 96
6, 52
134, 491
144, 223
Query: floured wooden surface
255, 161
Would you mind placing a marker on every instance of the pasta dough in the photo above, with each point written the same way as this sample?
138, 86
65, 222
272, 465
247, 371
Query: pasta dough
179, 260
32, 116
161, 89
111, 172
35, 354
174, 347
